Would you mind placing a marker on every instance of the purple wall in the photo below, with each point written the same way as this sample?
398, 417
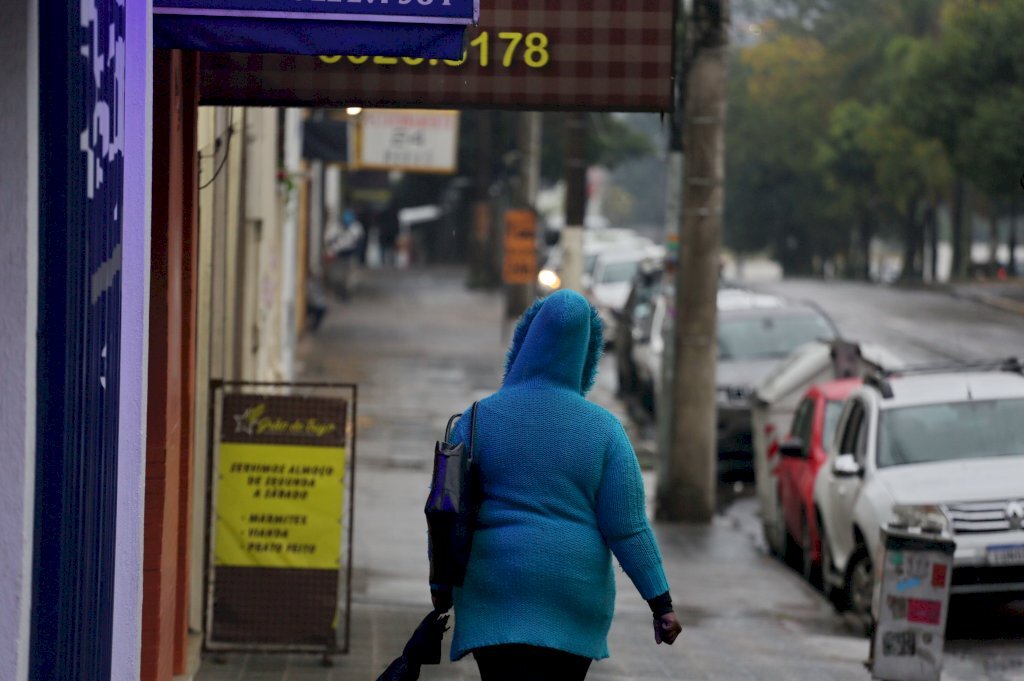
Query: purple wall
134, 321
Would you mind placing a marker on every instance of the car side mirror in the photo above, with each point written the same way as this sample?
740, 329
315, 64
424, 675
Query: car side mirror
793, 447
846, 466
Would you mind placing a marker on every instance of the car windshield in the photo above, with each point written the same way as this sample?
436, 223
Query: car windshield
619, 272
768, 335
588, 263
947, 432
833, 408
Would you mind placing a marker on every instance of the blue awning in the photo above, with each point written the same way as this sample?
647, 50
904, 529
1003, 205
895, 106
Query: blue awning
394, 28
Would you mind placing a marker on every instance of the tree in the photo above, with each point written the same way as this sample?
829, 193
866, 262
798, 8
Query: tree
861, 117
961, 90
780, 92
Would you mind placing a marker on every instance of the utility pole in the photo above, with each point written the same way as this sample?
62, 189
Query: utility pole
481, 267
519, 296
575, 200
530, 128
665, 394
690, 476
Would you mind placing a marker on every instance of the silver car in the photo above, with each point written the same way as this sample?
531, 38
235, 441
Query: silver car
755, 333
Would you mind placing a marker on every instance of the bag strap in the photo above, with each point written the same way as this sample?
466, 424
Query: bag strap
472, 427
472, 430
448, 428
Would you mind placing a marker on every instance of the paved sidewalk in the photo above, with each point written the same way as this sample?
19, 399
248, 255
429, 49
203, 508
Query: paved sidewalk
422, 347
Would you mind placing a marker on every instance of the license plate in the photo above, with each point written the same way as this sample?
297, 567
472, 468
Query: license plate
1006, 555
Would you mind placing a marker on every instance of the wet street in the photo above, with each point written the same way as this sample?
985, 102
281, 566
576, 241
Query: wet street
920, 326
422, 347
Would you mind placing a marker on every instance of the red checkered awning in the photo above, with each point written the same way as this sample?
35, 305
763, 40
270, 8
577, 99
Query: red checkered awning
538, 54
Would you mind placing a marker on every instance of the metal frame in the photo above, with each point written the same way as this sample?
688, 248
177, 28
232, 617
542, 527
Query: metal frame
218, 387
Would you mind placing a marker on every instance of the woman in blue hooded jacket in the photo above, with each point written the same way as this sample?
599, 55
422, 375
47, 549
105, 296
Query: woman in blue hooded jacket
562, 491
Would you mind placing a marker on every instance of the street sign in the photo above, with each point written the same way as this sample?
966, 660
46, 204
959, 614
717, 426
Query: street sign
910, 604
425, 28
520, 247
413, 141
283, 465
603, 55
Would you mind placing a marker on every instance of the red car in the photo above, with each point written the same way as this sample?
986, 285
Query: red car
803, 453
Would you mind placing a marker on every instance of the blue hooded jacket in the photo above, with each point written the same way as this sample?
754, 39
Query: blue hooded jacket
562, 492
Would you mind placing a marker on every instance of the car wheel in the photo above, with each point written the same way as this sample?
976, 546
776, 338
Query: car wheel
811, 570
773, 538
835, 594
860, 585
775, 533
791, 549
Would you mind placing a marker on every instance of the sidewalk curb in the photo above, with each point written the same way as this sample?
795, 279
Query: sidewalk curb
995, 301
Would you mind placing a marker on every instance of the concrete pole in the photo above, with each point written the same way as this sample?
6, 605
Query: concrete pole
529, 143
481, 241
575, 200
519, 296
688, 491
664, 397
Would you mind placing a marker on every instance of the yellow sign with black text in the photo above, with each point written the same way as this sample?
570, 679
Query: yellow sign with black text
279, 505
520, 266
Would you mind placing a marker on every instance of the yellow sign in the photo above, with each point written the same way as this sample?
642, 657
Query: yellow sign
520, 266
279, 505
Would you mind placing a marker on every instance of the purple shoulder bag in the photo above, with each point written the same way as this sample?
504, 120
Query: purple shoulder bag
451, 508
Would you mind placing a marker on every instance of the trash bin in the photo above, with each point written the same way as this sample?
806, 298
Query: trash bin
911, 602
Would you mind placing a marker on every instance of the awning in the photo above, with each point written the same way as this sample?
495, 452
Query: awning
386, 28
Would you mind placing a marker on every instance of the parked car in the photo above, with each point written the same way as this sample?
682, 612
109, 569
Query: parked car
776, 398
634, 321
942, 448
595, 242
802, 453
755, 333
609, 283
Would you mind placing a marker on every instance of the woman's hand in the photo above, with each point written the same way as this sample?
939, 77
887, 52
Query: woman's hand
667, 628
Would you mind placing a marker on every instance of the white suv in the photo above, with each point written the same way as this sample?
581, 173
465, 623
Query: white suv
949, 446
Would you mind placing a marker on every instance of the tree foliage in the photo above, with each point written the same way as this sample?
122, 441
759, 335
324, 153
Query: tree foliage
854, 118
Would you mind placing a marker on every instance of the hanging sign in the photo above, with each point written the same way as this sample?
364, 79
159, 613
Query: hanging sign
413, 141
278, 520
422, 28
520, 265
602, 55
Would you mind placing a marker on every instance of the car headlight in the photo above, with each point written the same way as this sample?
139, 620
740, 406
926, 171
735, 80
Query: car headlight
549, 278
921, 518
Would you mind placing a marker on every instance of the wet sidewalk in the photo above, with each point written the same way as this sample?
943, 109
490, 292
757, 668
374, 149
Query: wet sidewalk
422, 347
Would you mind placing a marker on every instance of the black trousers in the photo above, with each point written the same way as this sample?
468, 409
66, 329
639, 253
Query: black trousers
529, 663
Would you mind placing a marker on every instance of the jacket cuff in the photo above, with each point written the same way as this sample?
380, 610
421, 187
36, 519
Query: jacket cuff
661, 605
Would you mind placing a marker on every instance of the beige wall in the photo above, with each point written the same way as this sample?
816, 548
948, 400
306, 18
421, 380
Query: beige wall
247, 278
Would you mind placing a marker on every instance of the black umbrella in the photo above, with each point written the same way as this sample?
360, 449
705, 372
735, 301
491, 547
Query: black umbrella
423, 648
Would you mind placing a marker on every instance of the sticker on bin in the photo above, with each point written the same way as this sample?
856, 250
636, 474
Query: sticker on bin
1006, 555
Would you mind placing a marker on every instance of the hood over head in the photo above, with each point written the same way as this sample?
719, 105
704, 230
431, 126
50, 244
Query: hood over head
559, 340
